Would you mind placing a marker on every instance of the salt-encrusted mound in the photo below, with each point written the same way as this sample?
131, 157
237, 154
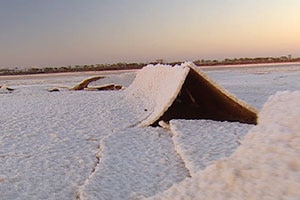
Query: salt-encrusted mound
265, 166
156, 87
83, 84
183, 92
5, 89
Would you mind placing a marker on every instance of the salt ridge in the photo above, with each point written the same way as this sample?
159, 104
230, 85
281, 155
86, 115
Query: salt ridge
265, 166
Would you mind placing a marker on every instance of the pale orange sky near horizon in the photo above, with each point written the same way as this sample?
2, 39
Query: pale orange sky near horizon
69, 32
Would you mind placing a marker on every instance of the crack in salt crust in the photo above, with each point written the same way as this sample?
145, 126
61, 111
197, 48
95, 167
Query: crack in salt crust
79, 193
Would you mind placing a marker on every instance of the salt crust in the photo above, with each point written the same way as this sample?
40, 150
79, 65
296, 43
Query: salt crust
134, 162
124, 79
156, 89
49, 141
157, 86
200, 142
50, 144
265, 166
221, 89
255, 85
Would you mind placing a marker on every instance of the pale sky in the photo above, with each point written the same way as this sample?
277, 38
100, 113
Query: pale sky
69, 32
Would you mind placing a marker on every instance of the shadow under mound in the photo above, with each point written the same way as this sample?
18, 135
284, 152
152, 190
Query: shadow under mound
200, 98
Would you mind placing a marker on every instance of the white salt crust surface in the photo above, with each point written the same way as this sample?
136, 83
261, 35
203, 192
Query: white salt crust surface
157, 86
156, 89
49, 142
200, 142
255, 84
134, 162
124, 79
265, 166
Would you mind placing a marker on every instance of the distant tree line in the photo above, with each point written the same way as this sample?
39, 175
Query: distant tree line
239, 61
76, 68
125, 66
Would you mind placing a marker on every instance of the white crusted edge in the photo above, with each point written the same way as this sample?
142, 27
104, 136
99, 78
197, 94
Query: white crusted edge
221, 89
156, 86
158, 113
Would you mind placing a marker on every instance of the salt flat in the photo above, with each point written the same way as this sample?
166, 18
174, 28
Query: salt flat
84, 145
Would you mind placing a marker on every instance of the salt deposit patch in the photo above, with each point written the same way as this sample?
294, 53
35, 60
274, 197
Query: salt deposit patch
256, 84
265, 166
124, 79
134, 162
49, 141
200, 142
183, 92
156, 89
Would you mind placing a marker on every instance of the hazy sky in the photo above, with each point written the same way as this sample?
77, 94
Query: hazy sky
69, 32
